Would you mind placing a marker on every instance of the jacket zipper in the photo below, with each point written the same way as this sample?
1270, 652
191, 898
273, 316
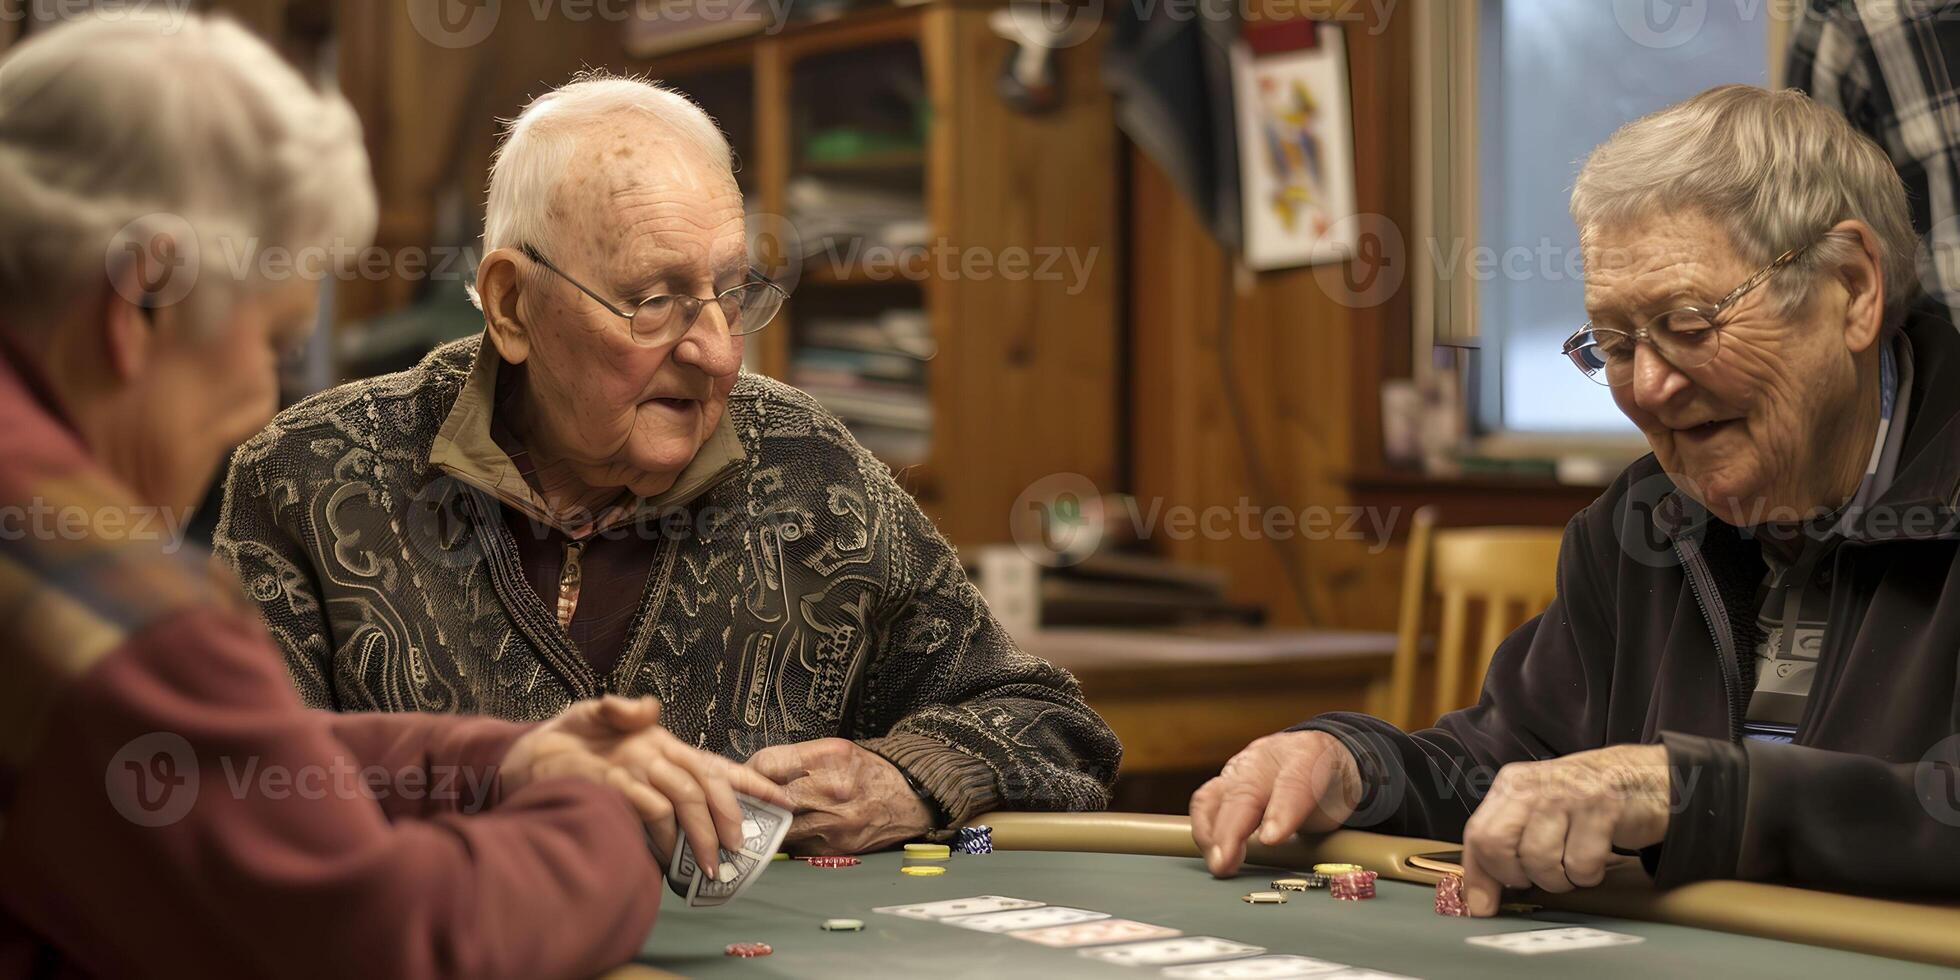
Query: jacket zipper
1701, 588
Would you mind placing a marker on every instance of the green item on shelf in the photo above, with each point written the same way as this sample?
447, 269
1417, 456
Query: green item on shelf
844, 145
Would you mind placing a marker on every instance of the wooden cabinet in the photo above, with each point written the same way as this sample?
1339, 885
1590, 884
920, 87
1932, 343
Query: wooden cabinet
1019, 272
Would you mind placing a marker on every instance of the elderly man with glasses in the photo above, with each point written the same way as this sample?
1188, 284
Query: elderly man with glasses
592, 498
1750, 668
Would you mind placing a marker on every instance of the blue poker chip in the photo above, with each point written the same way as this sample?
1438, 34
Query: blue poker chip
975, 840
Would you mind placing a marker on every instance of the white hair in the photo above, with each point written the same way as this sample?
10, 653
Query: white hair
107, 123
542, 142
1774, 169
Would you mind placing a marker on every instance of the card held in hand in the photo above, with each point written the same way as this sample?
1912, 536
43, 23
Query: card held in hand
764, 825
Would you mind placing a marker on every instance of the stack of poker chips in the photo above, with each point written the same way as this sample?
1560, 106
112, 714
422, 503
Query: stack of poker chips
1449, 897
1352, 885
977, 839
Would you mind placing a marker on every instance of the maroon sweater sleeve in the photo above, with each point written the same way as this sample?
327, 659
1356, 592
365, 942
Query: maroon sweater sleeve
418, 765
181, 817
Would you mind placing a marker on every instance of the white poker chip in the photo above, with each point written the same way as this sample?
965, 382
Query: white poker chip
843, 925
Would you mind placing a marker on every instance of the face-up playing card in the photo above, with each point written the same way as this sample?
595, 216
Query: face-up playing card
1009, 921
764, 826
1094, 932
1535, 941
1258, 968
959, 906
1167, 952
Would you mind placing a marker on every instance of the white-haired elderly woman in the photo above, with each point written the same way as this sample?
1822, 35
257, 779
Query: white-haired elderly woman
1750, 667
592, 497
242, 834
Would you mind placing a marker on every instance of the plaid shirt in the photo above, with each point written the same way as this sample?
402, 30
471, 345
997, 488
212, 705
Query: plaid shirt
1890, 67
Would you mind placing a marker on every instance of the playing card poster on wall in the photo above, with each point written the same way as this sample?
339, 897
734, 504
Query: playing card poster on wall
1296, 143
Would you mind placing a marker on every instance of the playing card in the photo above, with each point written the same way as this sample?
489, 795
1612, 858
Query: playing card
1258, 968
764, 826
958, 906
1047, 915
1165, 952
1535, 941
1094, 932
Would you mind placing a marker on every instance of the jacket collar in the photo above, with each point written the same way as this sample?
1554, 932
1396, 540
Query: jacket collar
466, 449
1923, 501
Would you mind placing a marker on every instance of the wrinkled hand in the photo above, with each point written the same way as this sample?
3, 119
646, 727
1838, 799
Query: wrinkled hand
1280, 784
847, 799
1554, 824
673, 786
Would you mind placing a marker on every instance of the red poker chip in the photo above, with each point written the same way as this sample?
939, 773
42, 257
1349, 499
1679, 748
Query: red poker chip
1449, 897
834, 861
747, 950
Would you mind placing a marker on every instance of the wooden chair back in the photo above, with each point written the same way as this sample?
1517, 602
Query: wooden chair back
1501, 575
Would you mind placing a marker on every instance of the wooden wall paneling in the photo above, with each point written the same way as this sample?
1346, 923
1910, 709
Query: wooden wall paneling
1030, 354
1306, 368
772, 149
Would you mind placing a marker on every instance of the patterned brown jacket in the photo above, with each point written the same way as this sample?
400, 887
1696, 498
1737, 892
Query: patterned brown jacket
796, 592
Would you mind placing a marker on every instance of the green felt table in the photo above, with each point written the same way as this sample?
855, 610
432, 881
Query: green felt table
1396, 932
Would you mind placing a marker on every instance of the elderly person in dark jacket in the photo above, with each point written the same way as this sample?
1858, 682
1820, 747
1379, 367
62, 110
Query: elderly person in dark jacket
591, 497
1749, 670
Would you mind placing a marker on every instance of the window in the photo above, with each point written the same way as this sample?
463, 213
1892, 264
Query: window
1554, 79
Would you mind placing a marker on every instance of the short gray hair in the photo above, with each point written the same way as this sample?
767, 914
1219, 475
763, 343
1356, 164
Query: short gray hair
539, 144
110, 122
1773, 168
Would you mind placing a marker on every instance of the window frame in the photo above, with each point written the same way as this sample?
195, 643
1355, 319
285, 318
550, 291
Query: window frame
1449, 44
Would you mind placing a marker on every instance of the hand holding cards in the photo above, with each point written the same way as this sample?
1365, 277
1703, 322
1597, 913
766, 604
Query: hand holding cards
764, 825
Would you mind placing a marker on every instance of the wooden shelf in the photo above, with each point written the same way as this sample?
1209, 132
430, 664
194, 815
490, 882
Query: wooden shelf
828, 274
1474, 499
989, 179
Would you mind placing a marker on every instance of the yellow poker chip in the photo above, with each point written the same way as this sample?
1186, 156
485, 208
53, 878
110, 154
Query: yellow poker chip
779, 856
1335, 869
928, 851
924, 870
